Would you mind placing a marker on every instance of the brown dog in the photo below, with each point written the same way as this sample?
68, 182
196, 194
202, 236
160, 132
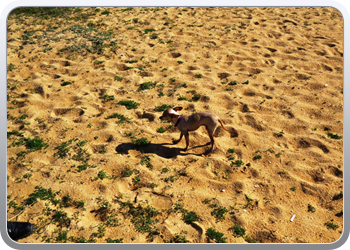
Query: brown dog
192, 122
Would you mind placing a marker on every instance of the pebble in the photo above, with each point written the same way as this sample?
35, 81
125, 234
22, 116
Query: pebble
292, 218
223, 190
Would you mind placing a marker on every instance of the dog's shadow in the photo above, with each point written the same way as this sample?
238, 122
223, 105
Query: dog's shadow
160, 149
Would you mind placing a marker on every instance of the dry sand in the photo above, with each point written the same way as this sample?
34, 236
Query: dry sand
273, 74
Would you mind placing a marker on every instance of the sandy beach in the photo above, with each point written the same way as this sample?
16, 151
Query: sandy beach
89, 160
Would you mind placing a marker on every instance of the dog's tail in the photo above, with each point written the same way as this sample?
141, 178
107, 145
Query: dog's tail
223, 126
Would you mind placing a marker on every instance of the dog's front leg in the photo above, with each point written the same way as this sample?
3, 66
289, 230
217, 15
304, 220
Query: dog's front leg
177, 141
187, 137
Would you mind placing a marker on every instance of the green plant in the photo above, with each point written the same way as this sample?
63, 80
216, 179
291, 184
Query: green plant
141, 217
233, 83
250, 240
42, 194
137, 179
148, 31
178, 239
63, 148
162, 107
220, 212
15, 132
238, 163
118, 78
107, 98
43, 12
61, 218
257, 157
11, 67
165, 170
189, 217
106, 12
161, 130
62, 236
66, 83
238, 231
334, 136
109, 240
129, 104
147, 85
36, 144
230, 151
141, 142
101, 231
121, 118
102, 175
310, 208
153, 36
146, 161
126, 172
215, 236
331, 225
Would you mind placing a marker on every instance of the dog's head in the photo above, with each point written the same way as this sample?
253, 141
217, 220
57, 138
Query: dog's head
170, 114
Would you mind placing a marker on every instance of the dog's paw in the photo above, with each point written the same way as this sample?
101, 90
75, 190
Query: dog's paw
175, 141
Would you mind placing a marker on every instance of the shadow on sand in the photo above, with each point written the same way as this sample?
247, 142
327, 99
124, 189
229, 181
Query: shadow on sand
160, 149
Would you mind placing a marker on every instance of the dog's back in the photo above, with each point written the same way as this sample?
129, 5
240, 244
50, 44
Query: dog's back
199, 119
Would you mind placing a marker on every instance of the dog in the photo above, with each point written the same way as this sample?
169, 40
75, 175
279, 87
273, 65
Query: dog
191, 123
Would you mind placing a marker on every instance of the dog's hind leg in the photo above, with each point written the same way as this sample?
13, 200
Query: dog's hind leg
211, 136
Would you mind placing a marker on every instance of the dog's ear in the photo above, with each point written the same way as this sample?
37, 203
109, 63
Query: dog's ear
174, 115
178, 108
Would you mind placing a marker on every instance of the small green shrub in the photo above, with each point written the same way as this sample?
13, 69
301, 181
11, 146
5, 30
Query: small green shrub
36, 144
220, 212
109, 240
257, 157
146, 160
127, 172
129, 104
310, 208
216, 236
334, 136
42, 194
331, 225
118, 78
106, 98
190, 217
102, 175
238, 231
121, 118
147, 85
161, 130
178, 239
141, 142
238, 163
66, 83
